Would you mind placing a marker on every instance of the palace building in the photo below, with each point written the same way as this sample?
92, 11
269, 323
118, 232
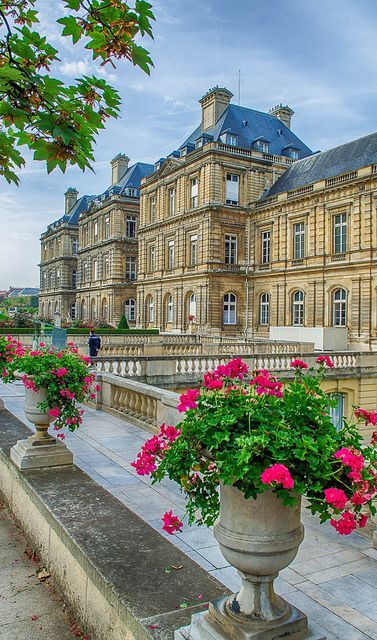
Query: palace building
242, 231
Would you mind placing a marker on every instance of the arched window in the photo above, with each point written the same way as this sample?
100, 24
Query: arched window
169, 308
56, 307
298, 308
42, 310
72, 310
150, 309
192, 305
49, 311
339, 308
337, 412
130, 310
264, 309
230, 309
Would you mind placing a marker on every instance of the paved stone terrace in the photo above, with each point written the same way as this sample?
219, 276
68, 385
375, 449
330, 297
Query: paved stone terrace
333, 579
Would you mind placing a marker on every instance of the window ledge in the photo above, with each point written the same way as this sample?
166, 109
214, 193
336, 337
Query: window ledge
338, 257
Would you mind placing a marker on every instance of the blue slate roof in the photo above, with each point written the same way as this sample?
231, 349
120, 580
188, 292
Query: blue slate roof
133, 177
320, 166
73, 216
27, 291
249, 125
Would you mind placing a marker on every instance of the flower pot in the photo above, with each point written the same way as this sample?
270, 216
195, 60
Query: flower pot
41, 419
259, 538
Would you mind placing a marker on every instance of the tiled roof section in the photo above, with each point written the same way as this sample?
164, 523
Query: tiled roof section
320, 166
249, 125
27, 291
73, 216
134, 175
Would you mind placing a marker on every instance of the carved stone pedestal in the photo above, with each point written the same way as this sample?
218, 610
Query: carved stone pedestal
26, 455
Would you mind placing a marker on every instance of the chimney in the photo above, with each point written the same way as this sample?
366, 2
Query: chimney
119, 166
70, 199
214, 103
284, 113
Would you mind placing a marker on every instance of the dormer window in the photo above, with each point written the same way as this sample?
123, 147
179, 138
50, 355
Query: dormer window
199, 143
157, 166
131, 192
231, 139
294, 154
262, 144
291, 152
183, 152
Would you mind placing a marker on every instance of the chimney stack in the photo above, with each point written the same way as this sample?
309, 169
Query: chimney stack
284, 113
214, 103
119, 166
70, 199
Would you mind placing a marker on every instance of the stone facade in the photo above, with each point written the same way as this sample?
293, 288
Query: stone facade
107, 261
216, 254
58, 266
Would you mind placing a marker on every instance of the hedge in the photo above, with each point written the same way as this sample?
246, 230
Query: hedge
82, 332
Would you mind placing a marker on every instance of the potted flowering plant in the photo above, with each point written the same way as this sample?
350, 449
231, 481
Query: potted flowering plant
55, 383
245, 453
9, 349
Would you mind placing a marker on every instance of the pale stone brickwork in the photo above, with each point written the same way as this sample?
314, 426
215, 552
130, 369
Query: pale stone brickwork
107, 253
317, 270
58, 265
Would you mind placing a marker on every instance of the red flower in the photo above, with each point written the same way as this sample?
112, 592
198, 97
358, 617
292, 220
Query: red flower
345, 525
336, 498
350, 459
362, 521
298, 364
325, 360
171, 523
187, 400
277, 473
54, 412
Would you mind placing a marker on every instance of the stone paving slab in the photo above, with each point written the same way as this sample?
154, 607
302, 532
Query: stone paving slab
27, 609
333, 578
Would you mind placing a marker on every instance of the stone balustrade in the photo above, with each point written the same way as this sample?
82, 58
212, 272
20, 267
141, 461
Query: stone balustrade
180, 370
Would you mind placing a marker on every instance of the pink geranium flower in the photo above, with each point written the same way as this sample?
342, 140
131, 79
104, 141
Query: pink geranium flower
171, 523
187, 400
279, 474
345, 525
350, 459
298, 364
54, 412
336, 498
325, 360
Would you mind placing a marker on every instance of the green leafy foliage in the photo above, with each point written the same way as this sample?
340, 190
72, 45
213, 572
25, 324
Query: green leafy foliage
245, 425
59, 122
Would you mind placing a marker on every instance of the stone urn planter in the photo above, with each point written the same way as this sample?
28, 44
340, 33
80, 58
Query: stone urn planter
40, 449
40, 419
259, 538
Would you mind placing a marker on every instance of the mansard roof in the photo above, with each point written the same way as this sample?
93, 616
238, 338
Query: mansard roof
249, 125
73, 216
134, 175
326, 164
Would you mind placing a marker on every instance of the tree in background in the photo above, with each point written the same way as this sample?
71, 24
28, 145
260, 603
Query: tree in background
56, 121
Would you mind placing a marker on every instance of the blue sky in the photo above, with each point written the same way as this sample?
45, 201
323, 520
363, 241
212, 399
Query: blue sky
318, 56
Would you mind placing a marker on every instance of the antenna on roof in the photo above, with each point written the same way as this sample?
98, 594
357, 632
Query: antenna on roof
239, 87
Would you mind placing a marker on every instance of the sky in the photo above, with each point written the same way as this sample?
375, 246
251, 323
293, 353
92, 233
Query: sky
317, 56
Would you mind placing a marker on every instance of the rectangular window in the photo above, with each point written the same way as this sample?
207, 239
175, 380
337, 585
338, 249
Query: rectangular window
107, 228
340, 233
230, 249
194, 192
263, 146
171, 194
337, 412
193, 250
58, 277
75, 247
152, 209
95, 269
131, 268
266, 247
73, 280
86, 272
232, 188
231, 139
96, 230
131, 227
152, 258
299, 240
171, 254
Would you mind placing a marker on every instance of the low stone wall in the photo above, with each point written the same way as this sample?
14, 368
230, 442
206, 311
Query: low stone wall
108, 563
141, 404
